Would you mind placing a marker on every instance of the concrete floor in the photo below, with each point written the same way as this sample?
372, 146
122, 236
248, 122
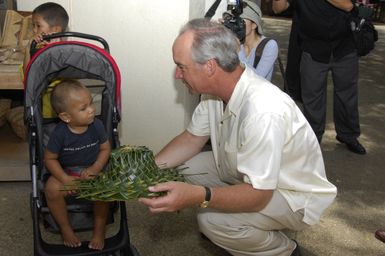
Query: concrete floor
346, 228
13, 156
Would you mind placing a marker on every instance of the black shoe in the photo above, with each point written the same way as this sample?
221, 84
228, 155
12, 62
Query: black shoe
380, 235
296, 251
204, 237
353, 145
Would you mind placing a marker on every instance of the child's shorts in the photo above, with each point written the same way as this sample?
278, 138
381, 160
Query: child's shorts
74, 170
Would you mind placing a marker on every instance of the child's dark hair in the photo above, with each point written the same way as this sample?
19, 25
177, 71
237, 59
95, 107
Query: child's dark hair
60, 93
54, 14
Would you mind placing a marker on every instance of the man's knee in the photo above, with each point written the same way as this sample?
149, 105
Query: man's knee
236, 235
224, 231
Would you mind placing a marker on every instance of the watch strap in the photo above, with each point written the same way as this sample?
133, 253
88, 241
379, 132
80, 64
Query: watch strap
205, 203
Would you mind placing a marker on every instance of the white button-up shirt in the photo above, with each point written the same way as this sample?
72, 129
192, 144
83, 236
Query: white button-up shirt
261, 137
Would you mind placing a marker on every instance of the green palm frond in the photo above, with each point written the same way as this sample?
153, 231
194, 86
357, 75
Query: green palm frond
131, 170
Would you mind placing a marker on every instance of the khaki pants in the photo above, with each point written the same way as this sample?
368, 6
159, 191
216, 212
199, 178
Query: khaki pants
244, 233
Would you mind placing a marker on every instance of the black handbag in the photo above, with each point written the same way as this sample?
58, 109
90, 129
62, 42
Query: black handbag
364, 33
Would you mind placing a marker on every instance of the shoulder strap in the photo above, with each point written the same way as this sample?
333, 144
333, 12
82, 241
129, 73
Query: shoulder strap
258, 54
283, 74
259, 50
211, 11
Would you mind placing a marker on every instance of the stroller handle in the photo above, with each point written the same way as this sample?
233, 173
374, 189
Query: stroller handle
71, 34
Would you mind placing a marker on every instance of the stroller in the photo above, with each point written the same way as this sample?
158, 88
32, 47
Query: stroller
91, 63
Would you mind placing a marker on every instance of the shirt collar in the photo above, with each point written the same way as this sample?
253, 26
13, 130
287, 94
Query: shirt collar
238, 94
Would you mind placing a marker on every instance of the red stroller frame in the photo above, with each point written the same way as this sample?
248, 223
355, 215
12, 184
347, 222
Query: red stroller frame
77, 60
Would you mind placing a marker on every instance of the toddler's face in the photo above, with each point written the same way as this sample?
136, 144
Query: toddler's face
40, 26
80, 108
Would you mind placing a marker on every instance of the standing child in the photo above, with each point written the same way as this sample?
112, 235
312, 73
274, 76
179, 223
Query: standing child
78, 148
47, 18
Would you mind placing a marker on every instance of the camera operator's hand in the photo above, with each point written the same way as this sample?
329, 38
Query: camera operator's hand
279, 6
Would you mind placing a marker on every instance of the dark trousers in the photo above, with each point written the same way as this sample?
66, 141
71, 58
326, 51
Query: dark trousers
345, 94
294, 51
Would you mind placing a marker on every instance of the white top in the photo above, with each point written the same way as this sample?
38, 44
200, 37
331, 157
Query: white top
269, 55
262, 138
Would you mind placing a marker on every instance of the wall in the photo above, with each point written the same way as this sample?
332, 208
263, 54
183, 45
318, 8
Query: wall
155, 107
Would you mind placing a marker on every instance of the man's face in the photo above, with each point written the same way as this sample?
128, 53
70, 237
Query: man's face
192, 74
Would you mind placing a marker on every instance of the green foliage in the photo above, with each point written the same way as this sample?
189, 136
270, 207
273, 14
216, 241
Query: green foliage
131, 170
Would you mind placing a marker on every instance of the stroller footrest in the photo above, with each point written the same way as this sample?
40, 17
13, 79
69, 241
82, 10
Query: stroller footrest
112, 244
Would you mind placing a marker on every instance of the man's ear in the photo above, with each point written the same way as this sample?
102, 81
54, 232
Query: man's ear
64, 116
211, 66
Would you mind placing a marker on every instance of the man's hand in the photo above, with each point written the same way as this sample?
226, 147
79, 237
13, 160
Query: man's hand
179, 195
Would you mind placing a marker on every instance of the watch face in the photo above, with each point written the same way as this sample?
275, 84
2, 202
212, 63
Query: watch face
204, 204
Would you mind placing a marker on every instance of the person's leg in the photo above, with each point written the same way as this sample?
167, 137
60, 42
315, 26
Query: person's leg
243, 233
314, 93
253, 233
294, 52
345, 78
58, 208
101, 210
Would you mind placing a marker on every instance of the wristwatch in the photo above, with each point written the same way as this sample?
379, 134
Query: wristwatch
205, 203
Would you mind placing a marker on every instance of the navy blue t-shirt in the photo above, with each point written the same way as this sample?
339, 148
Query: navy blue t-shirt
77, 149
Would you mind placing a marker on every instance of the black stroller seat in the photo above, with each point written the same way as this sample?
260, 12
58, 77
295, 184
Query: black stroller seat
76, 60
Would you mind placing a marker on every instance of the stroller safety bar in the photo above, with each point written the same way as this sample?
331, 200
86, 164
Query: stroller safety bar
71, 34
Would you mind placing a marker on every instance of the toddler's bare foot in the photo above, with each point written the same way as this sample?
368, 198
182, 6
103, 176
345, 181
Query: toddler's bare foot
70, 239
97, 242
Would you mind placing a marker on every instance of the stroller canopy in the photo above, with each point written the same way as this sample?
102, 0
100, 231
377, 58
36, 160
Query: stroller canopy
70, 59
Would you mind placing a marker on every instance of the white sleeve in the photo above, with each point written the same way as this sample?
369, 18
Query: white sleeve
268, 58
199, 125
259, 157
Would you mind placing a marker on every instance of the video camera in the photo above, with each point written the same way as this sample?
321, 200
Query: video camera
232, 19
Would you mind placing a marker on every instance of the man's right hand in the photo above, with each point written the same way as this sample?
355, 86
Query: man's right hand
179, 195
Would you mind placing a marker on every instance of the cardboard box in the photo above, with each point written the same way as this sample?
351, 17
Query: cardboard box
17, 29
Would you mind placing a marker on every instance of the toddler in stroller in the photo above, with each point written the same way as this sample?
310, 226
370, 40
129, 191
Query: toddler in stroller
95, 67
78, 148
